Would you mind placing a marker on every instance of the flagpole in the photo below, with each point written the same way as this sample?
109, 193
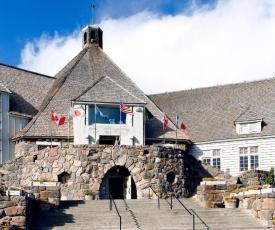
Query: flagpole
51, 134
120, 122
69, 128
144, 125
176, 128
95, 123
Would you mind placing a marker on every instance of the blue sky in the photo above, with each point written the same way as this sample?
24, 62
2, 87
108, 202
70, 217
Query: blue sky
22, 21
198, 43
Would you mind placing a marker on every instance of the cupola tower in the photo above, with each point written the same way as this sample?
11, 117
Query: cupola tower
92, 35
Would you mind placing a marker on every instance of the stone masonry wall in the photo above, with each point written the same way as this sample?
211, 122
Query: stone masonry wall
259, 202
87, 165
13, 212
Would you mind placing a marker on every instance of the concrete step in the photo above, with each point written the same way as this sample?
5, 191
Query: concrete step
142, 215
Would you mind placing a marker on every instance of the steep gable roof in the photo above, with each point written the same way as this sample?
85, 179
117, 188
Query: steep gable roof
28, 89
108, 91
247, 116
82, 79
209, 113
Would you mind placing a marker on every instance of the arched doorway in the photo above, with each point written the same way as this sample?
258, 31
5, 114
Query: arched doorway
119, 182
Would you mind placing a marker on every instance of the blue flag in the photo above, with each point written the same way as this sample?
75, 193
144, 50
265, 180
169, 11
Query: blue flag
98, 112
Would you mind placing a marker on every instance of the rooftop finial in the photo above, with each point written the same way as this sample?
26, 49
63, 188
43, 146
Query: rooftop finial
93, 6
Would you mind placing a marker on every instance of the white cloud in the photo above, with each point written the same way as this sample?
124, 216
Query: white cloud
48, 55
232, 42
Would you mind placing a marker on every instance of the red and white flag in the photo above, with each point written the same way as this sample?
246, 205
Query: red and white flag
77, 112
125, 109
59, 120
179, 123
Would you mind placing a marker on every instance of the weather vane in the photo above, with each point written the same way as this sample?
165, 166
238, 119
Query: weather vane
93, 6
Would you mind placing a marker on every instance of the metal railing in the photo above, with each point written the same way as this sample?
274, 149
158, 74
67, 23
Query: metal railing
113, 201
155, 194
192, 214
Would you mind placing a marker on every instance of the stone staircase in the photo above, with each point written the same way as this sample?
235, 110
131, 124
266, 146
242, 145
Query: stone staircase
142, 214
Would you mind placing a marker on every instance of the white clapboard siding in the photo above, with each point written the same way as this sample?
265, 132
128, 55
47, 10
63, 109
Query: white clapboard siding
230, 152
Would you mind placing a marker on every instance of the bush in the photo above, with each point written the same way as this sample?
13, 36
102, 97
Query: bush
270, 178
230, 199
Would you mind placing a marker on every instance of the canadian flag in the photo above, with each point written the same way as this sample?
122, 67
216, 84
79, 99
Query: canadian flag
59, 120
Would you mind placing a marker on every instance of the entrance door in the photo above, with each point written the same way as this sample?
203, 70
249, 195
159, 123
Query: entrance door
116, 187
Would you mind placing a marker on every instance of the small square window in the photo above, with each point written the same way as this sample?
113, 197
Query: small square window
206, 160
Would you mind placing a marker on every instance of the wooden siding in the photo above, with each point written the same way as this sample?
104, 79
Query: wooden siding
10, 126
15, 125
5, 127
230, 152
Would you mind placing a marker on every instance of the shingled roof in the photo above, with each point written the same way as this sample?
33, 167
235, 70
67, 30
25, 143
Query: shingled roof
92, 76
4, 89
28, 89
210, 113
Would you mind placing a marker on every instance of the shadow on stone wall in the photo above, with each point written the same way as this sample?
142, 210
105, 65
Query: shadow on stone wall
195, 171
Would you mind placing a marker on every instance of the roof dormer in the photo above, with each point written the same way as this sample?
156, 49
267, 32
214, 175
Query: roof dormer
248, 122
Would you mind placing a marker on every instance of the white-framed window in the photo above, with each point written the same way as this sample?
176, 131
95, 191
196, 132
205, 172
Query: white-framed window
249, 158
206, 160
212, 157
248, 127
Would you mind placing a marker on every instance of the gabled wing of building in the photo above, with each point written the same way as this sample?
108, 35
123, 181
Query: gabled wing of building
210, 113
92, 76
28, 89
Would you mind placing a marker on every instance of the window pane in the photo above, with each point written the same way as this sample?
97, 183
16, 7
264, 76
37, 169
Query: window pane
254, 162
253, 127
217, 163
253, 150
216, 152
243, 150
243, 163
206, 160
244, 128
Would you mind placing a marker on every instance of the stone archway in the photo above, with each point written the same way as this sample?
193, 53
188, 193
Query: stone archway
119, 182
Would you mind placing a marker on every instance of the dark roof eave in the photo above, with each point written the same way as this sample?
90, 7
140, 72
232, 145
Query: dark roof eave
106, 103
169, 139
21, 115
40, 137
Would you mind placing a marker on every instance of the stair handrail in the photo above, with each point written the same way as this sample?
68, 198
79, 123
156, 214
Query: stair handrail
155, 194
112, 200
207, 227
193, 216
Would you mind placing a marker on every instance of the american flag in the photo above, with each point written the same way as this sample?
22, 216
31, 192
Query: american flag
125, 109
164, 121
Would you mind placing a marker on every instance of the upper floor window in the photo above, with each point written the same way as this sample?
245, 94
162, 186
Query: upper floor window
246, 128
212, 157
248, 122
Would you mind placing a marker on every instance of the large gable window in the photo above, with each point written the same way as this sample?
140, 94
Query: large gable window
109, 115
